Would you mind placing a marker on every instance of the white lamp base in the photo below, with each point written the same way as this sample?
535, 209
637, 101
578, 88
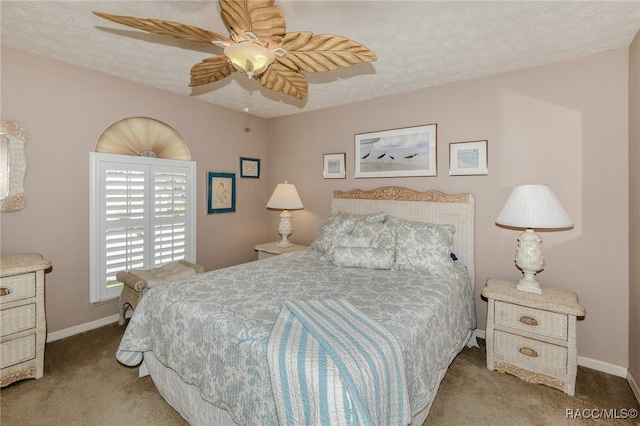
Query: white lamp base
530, 260
529, 287
285, 228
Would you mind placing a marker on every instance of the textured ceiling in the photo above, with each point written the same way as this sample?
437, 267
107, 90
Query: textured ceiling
418, 43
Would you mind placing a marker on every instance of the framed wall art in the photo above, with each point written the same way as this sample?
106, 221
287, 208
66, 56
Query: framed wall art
334, 166
468, 158
249, 167
410, 151
13, 166
221, 192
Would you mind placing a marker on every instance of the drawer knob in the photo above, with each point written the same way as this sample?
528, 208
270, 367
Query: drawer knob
4, 291
528, 352
528, 320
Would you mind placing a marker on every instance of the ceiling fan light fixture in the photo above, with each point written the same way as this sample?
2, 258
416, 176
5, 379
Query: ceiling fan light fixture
253, 53
249, 58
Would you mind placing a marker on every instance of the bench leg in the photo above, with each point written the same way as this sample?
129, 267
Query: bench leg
123, 310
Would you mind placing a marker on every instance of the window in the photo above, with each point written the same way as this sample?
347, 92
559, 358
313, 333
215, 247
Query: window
142, 215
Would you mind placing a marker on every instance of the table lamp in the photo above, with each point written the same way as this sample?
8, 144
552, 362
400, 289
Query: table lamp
532, 207
285, 197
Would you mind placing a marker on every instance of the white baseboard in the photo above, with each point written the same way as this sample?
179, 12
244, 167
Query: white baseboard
585, 362
603, 366
634, 386
77, 329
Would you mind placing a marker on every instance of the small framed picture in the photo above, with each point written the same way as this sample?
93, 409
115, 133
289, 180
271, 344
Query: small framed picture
468, 158
221, 192
334, 166
249, 167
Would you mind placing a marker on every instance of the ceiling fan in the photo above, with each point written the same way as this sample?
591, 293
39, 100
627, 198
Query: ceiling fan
259, 46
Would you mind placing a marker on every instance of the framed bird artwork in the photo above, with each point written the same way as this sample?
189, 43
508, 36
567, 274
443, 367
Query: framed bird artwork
221, 192
410, 151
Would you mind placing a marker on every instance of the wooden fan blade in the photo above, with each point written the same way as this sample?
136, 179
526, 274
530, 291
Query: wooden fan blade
322, 52
260, 17
280, 78
210, 70
159, 26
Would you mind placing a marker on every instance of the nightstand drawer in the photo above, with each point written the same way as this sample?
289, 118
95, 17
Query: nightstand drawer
265, 255
17, 350
544, 323
17, 287
531, 354
271, 249
17, 319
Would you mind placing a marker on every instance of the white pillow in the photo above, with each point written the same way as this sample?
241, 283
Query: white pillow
335, 225
341, 224
424, 247
345, 241
382, 235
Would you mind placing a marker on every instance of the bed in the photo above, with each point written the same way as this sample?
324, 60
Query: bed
208, 341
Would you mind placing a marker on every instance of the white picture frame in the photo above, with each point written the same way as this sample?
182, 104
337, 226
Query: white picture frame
334, 166
410, 151
468, 158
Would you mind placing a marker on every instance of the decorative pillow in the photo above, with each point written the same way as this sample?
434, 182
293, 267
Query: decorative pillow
424, 247
381, 235
394, 221
342, 223
337, 224
362, 257
345, 241
370, 218
378, 217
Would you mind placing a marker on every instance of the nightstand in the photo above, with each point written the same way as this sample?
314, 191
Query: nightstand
533, 336
267, 250
23, 323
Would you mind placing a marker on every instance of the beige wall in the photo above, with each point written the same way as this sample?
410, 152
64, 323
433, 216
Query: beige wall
634, 208
65, 110
564, 124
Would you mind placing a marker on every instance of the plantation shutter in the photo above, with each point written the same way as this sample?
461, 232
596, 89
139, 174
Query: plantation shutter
142, 216
170, 215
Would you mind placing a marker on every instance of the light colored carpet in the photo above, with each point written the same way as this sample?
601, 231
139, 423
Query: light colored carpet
83, 384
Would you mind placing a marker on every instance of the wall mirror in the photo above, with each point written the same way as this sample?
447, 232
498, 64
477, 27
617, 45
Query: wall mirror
13, 166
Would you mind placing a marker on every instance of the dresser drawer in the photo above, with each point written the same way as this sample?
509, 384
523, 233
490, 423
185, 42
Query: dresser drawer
17, 351
531, 354
17, 287
17, 319
543, 323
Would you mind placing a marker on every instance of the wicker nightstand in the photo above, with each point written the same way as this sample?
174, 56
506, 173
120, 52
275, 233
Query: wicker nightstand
23, 323
533, 336
271, 249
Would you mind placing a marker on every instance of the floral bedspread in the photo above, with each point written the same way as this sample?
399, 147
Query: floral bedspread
213, 328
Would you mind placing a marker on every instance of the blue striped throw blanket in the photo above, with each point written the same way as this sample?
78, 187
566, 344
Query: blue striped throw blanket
332, 365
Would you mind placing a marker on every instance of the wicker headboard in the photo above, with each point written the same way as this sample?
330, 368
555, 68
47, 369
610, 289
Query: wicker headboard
430, 206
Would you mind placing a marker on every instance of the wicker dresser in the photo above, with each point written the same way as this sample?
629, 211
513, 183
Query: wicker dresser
22, 318
533, 336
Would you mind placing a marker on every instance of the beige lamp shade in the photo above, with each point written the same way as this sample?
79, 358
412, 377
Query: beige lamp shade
143, 136
286, 197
